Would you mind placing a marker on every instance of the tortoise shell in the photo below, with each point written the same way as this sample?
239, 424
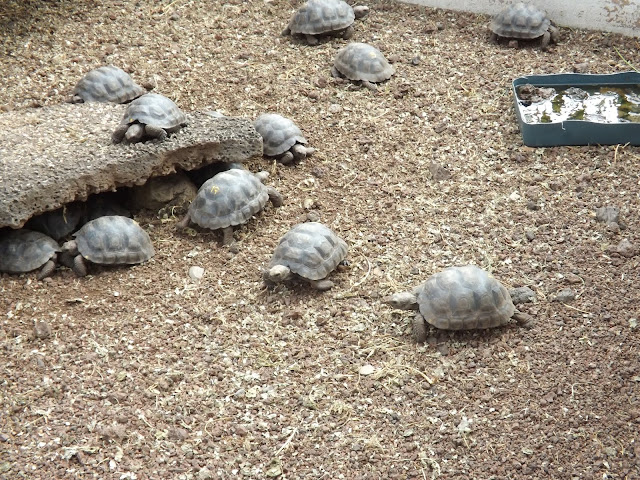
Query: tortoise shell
317, 17
58, 223
462, 298
154, 109
278, 133
229, 198
107, 84
25, 250
114, 240
360, 61
520, 20
310, 250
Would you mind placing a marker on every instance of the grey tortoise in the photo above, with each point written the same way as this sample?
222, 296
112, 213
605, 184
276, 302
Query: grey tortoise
107, 84
26, 250
318, 18
361, 62
522, 21
309, 251
108, 240
152, 116
282, 138
228, 199
458, 298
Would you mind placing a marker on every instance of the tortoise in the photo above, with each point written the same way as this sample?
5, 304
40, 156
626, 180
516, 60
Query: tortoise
458, 298
324, 17
229, 198
58, 223
525, 22
362, 63
151, 116
282, 138
108, 240
25, 250
309, 251
106, 84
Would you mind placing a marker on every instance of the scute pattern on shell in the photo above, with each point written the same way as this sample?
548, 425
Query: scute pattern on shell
154, 109
520, 21
25, 250
107, 84
361, 61
310, 250
462, 298
278, 133
229, 198
114, 240
321, 16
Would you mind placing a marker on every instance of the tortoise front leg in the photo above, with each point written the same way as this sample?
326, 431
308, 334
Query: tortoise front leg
311, 39
322, 285
371, 86
184, 223
348, 32
419, 329
118, 135
79, 266
546, 38
227, 236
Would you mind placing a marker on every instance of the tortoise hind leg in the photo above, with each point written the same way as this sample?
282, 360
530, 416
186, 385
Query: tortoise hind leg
47, 270
155, 132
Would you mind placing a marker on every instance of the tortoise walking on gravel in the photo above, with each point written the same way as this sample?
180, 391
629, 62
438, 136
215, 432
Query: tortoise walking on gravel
106, 84
309, 251
152, 116
229, 198
458, 298
109, 240
25, 250
523, 21
324, 17
282, 138
362, 63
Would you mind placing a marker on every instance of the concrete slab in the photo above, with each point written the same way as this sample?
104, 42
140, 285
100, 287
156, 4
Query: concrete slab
54, 155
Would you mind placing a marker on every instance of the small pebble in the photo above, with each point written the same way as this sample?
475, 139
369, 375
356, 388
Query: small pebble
626, 249
196, 273
41, 329
565, 295
367, 369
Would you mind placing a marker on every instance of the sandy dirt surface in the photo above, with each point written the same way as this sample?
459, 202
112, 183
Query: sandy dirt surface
142, 373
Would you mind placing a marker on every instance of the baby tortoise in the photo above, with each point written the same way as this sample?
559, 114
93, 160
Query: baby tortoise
360, 62
523, 21
281, 138
106, 84
458, 298
25, 250
108, 240
229, 198
324, 17
152, 116
310, 251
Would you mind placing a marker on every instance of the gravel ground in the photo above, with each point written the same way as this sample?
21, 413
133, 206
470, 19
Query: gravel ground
143, 373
